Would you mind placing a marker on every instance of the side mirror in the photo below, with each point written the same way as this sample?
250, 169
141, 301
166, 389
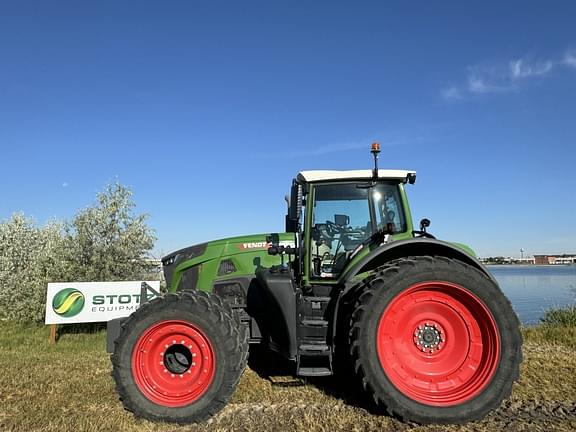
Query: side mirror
424, 223
291, 225
294, 208
273, 238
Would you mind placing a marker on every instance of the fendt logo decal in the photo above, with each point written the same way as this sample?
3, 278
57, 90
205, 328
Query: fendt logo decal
68, 302
254, 245
262, 245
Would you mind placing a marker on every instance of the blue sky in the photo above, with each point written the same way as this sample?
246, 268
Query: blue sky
207, 109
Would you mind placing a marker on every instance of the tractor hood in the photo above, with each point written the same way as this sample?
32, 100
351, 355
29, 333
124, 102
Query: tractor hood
229, 245
197, 254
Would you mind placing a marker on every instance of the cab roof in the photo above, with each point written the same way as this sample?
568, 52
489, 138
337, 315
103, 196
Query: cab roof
327, 175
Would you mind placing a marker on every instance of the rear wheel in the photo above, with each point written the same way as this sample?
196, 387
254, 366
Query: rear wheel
435, 340
179, 358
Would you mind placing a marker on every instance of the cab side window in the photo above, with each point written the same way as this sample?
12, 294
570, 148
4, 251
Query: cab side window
389, 213
341, 222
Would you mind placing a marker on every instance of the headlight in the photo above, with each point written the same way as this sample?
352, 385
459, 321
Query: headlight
184, 254
170, 260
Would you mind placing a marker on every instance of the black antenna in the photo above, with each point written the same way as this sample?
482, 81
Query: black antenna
375, 150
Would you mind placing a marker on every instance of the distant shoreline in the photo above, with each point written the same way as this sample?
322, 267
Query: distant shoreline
528, 264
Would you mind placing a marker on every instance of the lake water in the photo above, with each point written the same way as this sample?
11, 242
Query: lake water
534, 289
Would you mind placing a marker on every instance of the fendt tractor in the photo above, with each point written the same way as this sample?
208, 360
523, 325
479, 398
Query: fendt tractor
350, 288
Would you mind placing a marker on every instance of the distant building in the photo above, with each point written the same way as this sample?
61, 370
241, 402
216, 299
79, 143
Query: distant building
525, 260
555, 259
507, 260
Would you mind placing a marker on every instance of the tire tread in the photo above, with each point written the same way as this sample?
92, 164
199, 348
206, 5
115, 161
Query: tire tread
222, 320
365, 294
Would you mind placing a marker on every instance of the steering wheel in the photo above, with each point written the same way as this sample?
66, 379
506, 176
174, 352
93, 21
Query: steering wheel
332, 228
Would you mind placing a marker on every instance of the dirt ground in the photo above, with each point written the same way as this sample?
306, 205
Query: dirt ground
68, 387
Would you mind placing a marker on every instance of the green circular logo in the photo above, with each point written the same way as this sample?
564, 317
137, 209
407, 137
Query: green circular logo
68, 302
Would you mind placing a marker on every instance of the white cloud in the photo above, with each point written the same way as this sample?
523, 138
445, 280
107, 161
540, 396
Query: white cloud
327, 149
452, 93
65, 184
489, 79
522, 68
504, 77
570, 58
487, 84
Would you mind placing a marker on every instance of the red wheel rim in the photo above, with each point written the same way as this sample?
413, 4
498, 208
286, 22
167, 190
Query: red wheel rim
438, 343
173, 363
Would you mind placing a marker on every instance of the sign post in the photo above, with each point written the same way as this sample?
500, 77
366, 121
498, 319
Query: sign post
53, 333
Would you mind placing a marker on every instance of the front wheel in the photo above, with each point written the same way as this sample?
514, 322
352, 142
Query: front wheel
179, 358
435, 340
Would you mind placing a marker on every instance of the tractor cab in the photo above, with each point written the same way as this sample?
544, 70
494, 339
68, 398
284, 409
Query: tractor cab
348, 211
338, 216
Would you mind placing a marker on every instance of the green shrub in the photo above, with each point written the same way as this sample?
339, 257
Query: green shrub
565, 317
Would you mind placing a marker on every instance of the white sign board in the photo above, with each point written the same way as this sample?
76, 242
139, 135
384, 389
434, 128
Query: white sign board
83, 302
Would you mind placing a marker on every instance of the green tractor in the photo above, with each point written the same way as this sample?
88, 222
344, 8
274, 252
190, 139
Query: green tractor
423, 326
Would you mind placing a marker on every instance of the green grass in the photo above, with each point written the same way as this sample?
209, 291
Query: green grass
547, 334
68, 387
558, 326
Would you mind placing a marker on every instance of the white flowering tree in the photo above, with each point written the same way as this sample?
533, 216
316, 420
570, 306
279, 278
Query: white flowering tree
30, 257
104, 242
108, 242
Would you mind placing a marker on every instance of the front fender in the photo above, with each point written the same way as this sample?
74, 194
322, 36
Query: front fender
405, 248
113, 330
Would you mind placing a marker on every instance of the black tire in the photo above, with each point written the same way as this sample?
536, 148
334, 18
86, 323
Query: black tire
200, 315
390, 292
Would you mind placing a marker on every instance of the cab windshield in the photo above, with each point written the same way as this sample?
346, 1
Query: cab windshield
347, 214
